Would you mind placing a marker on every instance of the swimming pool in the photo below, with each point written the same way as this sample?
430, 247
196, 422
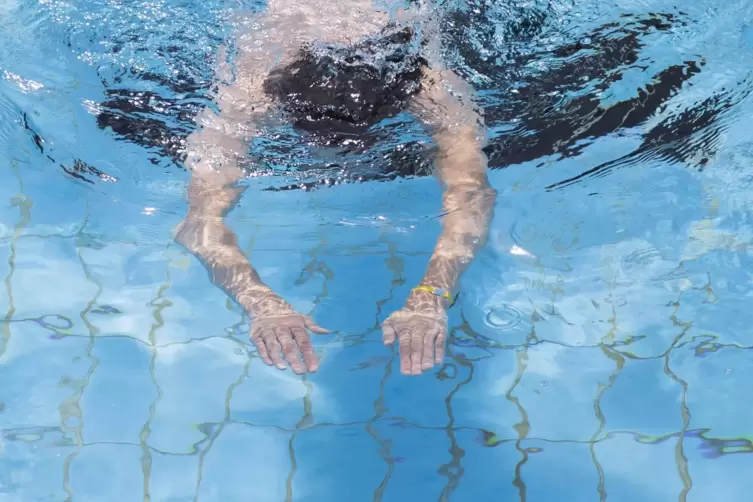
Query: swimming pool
599, 345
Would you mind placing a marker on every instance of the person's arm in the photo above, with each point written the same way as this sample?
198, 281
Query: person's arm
213, 155
445, 107
468, 199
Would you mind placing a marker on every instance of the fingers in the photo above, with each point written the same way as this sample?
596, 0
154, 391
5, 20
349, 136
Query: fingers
290, 351
315, 328
421, 346
411, 351
306, 347
427, 356
404, 340
388, 333
421, 342
272, 347
287, 338
439, 346
257, 339
416, 352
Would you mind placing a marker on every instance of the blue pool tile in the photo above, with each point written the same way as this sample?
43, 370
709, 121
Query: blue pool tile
107, 472
33, 398
639, 470
181, 416
33, 464
115, 403
554, 470
245, 462
626, 405
49, 278
173, 478
718, 382
338, 463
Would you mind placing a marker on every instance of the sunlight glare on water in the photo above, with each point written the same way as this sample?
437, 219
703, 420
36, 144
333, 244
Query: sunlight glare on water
599, 346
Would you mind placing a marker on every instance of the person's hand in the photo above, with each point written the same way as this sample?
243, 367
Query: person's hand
421, 334
277, 328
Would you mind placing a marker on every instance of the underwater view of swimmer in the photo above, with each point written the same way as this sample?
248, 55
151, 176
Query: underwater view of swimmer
333, 70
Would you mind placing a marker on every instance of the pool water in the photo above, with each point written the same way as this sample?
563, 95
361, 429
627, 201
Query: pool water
598, 351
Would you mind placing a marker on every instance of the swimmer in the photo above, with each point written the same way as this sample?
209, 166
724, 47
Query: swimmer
329, 66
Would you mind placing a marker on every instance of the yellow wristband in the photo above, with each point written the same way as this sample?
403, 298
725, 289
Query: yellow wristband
434, 291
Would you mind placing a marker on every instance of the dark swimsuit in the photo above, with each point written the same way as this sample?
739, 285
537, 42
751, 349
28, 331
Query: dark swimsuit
345, 89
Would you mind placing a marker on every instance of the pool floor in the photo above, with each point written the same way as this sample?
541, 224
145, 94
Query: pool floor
599, 350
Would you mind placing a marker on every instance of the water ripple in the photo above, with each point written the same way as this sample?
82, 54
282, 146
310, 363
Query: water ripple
502, 318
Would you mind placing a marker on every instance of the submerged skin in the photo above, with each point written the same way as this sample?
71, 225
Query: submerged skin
216, 149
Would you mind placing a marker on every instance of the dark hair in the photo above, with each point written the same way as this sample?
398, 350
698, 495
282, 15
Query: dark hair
331, 89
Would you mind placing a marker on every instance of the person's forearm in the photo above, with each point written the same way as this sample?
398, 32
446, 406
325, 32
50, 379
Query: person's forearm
464, 230
468, 204
206, 236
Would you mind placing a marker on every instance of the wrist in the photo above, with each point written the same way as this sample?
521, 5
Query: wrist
424, 300
260, 300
